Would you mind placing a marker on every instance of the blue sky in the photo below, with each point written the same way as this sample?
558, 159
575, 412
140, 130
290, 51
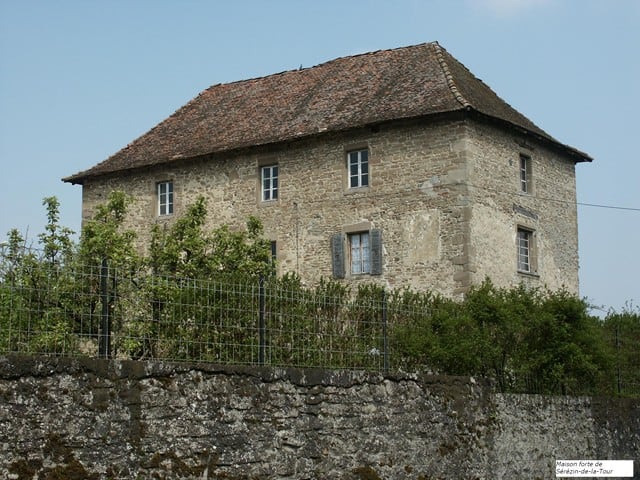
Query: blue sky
81, 79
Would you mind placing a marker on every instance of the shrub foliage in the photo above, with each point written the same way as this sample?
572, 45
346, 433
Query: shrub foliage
213, 296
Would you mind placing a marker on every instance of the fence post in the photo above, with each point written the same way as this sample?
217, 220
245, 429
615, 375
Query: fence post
385, 338
618, 354
104, 346
261, 323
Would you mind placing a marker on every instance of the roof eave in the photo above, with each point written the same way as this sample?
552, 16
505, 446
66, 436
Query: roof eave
80, 177
74, 179
576, 155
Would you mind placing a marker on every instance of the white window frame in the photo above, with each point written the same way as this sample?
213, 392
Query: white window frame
269, 182
525, 174
359, 253
358, 168
525, 250
165, 196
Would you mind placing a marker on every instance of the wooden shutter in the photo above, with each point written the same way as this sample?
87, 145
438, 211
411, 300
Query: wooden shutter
337, 255
376, 251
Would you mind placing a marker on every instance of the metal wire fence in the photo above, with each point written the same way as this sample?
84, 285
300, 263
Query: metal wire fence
625, 340
97, 310
110, 312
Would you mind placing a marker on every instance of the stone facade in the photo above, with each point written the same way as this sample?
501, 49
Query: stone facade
499, 207
443, 191
98, 419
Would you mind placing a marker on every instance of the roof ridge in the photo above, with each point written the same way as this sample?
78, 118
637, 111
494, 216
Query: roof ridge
449, 76
321, 64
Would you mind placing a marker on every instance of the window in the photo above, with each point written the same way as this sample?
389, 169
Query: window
360, 252
269, 177
165, 198
525, 174
358, 168
525, 250
274, 251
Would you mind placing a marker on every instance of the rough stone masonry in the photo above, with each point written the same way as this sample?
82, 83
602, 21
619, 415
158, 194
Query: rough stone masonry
99, 419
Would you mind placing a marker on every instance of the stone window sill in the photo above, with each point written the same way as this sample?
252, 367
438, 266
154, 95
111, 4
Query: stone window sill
356, 190
529, 274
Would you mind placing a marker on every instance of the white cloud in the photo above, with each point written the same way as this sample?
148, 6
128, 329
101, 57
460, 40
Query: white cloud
508, 8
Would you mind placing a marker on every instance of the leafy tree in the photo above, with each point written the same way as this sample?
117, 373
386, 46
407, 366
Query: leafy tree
566, 351
182, 250
622, 331
56, 241
499, 317
190, 315
35, 290
187, 250
104, 236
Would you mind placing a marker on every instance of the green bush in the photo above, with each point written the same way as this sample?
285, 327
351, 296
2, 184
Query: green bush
622, 332
196, 298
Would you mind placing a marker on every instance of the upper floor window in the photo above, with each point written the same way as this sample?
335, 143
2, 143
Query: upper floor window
358, 168
525, 174
165, 198
269, 182
526, 259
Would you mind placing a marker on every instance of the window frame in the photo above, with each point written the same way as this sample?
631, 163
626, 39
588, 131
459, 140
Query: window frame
526, 250
370, 254
361, 176
360, 253
273, 184
165, 199
525, 174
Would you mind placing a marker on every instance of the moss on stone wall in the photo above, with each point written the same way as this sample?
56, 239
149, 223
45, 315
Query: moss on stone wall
191, 421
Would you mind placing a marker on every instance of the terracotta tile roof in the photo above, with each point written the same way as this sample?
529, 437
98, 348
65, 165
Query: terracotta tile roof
348, 92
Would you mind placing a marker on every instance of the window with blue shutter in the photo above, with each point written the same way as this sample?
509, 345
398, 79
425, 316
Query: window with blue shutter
364, 250
337, 254
376, 251
360, 253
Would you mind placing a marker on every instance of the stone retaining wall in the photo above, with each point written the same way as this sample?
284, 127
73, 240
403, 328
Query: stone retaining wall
98, 419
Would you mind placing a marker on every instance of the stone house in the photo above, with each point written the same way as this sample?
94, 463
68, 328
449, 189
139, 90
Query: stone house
397, 166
